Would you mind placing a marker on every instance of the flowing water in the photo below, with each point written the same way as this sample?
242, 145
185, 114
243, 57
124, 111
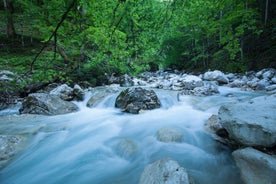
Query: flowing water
102, 145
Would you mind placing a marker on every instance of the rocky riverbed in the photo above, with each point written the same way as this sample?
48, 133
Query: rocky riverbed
246, 124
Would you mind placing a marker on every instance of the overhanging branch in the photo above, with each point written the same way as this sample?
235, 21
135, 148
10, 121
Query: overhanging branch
54, 33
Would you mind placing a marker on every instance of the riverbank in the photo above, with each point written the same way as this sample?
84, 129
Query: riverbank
99, 130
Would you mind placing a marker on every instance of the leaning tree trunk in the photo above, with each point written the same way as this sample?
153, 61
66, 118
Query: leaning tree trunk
10, 31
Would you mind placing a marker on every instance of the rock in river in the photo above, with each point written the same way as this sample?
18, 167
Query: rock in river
165, 171
256, 167
45, 104
251, 123
9, 146
169, 135
133, 100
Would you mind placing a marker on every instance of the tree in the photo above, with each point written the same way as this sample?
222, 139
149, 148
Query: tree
10, 30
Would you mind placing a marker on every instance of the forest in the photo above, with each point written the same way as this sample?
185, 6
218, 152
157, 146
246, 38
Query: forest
89, 39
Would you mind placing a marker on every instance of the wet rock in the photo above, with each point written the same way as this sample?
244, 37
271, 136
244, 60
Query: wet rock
251, 123
208, 89
64, 92
9, 147
216, 76
45, 104
132, 100
271, 87
262, 84
78, 93
9, 90
6, 75
169, 135
255, 167
124, 80
100, 93
190, 82
126, 148
266, 73
213, 124
67, 93
165, 171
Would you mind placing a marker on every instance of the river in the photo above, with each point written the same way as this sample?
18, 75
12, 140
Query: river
102, 145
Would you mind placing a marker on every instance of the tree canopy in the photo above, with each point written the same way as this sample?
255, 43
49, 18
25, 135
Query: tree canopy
87, 39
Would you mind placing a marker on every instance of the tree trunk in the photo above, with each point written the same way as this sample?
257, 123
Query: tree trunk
8, 5
266, 11
220, 29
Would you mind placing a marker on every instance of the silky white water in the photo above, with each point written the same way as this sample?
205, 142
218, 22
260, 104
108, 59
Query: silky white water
89, 146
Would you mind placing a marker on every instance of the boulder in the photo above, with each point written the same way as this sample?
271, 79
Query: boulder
213, 125
64, 92
7, 76
255, 167
9, 90
132, 100
126, 148
165, 171
78, 93
208, 89
216, 76
266, 73
251, 123
124, 80
98, 94
271, 87
191, 81
9, 146
46, 104
169, 135
262, 84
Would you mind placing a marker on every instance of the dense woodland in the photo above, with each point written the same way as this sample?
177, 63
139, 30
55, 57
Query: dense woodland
89, 39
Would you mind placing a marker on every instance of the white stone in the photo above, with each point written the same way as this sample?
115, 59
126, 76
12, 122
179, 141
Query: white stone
216, 75
165, 171
64, 92
256, 167
251, 123
271, 87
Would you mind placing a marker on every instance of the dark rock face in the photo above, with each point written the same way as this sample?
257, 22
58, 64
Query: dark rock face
132, 100
45, 104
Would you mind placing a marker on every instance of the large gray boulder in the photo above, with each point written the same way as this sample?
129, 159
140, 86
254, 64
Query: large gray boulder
251, 123
46, 104
216, 75
165, 171
256, 167
132, 100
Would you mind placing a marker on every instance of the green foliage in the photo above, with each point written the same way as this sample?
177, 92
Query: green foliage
104, 37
